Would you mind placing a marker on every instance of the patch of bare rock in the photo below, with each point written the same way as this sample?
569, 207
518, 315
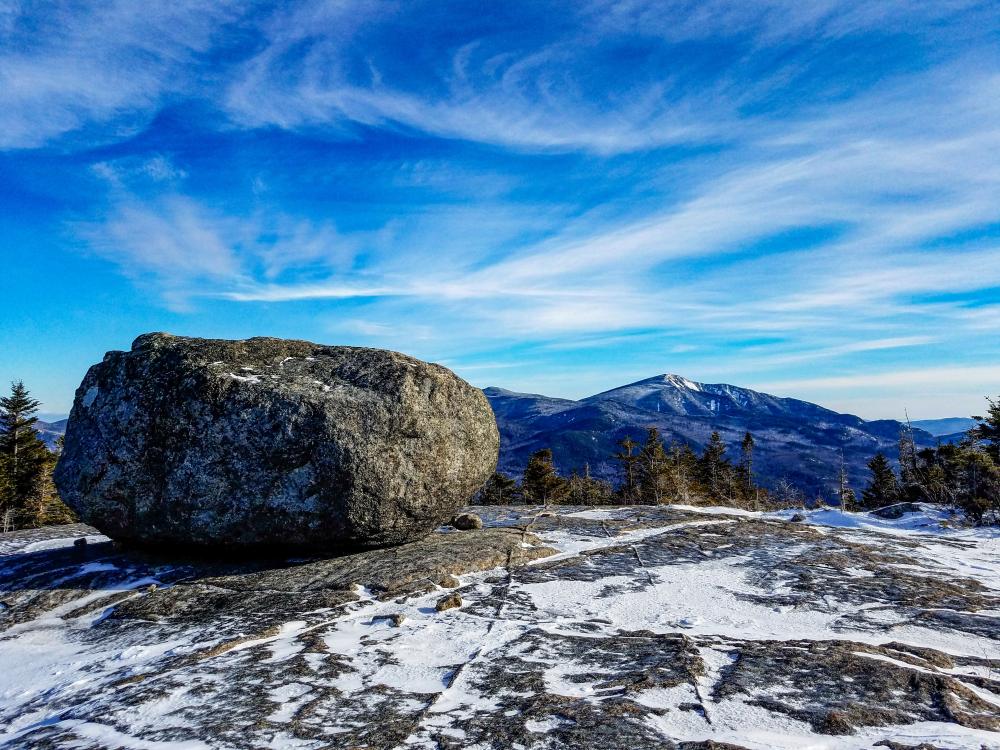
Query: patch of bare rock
581, 649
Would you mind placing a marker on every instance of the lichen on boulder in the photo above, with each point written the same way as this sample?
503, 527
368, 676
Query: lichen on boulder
272, 442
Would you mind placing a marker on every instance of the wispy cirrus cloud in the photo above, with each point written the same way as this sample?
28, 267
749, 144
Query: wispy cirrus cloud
592, 276
865, 271
524, 84
104, 68
600, 76
734, 191
185, 250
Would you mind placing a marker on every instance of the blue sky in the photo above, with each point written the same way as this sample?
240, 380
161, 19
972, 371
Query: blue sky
802, 198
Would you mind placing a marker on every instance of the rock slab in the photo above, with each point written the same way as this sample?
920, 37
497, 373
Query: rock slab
647, 628
272, 442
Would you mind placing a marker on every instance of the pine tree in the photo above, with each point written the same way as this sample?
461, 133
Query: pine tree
951, 459
933, 476
712, 465
684, 472
628, 460
25, 457
746, 463
909, 472
882, 489
6, 493
987, 430
499, 489
849, 500
962, 475
980, 498
541, 483
585, 490
653, 470
51, 510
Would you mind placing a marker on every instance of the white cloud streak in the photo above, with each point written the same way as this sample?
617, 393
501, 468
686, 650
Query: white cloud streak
933, 377
110, 65
887, 173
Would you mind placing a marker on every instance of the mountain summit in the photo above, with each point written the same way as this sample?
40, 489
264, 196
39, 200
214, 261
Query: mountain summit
796, 440
675, 394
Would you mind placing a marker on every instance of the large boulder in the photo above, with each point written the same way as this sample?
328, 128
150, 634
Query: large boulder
272, 442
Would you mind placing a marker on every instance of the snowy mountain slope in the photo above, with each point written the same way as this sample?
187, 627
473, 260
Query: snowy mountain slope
796, 440
50, 432
678, 395
652, 627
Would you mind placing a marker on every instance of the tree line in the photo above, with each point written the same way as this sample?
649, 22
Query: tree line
964, 476
650, 472
28, 496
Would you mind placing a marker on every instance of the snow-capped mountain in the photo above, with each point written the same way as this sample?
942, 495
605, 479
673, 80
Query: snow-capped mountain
50, 432
674, 394
796, 440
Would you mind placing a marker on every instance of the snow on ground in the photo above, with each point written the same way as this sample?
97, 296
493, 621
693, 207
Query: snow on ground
649, 626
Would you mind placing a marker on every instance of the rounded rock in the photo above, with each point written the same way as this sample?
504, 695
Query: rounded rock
451, 601
467, 522
272, 442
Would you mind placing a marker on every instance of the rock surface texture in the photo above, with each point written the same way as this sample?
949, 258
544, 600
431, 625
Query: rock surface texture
644, 628
272, 442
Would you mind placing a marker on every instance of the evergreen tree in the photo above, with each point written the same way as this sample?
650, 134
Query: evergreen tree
987, 430
882, 489
541, 483
952, 478
628, 460
965, 475
684, 473
654, 470
26, 460
849, 500
980, 498
909, 472
932, 477
499, 489
6, 494
713, 465
585, 490
746, 463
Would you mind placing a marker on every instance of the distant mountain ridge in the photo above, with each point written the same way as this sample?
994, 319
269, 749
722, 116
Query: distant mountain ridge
796, 440
678, 395
948, 426
50, 432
